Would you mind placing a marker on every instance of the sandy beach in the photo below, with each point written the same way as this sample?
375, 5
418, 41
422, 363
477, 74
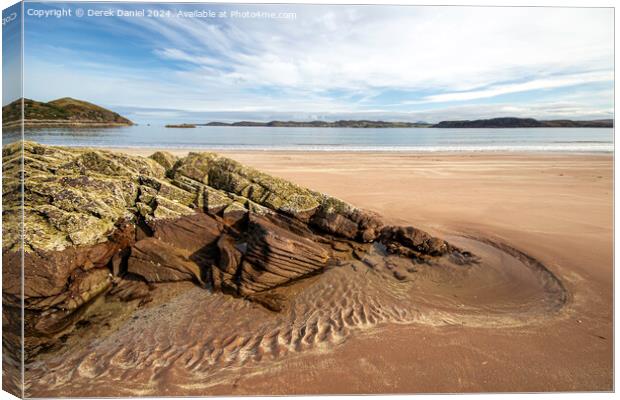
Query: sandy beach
556, 208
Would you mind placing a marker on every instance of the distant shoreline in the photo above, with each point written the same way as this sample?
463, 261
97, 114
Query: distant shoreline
62, 124
493, 123
73, 113
320, 124
182, 151
402, 152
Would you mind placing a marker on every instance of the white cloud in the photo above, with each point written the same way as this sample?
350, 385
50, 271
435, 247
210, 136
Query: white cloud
419, 48
446, 53
536, 84
447, 48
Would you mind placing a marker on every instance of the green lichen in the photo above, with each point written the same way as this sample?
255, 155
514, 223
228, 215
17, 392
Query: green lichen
76, 196
235, 211
332, 205
165, 159
73, 197
230, 176
167, 209
195, 166
169, 191
144, 210
215, 200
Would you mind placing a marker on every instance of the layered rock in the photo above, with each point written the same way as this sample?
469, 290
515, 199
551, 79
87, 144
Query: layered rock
94, 218
157, 261
275, 255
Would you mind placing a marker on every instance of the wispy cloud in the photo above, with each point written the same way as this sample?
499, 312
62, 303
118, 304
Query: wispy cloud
337, 60
536, 84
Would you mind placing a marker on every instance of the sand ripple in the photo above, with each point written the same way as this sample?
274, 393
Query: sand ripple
197, 339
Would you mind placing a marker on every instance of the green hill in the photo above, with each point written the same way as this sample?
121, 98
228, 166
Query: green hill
61, 112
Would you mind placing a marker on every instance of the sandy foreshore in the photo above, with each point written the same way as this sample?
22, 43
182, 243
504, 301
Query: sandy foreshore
557, 208
529, 308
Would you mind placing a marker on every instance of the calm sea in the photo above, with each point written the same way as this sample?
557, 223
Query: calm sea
330, 139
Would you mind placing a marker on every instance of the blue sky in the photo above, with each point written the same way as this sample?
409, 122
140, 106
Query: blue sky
11, 54
330, 62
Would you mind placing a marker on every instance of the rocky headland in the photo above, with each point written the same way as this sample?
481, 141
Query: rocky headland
65, 112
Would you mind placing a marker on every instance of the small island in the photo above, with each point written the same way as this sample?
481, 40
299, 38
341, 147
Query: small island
66, 112
184, 126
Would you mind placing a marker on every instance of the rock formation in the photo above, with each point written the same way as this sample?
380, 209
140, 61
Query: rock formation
94, 219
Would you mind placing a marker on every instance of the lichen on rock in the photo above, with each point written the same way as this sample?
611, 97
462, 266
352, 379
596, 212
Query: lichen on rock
165, 159
230, 176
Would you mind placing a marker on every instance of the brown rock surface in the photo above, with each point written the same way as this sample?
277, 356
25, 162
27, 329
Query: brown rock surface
275, 256
229, 260
157, 261
414, 239
193, 233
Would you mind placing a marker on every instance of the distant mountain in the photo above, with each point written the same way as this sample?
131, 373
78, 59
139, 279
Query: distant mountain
509, 122
61, 112
324, 124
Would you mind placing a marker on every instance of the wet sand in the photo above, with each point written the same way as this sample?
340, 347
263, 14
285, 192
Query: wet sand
509, 327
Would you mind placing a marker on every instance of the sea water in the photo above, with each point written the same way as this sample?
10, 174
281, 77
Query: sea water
328, 139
